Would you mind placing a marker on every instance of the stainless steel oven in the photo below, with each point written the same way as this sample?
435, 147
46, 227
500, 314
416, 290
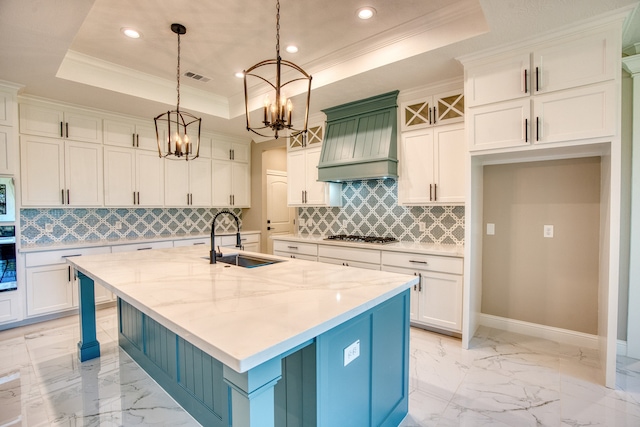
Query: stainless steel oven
7, 235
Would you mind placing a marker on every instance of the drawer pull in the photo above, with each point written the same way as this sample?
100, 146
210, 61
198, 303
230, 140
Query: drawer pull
143, 249
419, 262
70, 256
198, 243
292, 247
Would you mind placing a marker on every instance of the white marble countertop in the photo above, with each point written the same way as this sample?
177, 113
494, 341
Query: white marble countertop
98, 243
240, 316
410, 247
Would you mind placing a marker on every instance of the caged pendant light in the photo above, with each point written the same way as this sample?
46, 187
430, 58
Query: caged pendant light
278, 110
182, 140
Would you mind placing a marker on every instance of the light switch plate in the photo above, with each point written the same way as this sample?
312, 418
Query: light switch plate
491, 229
48, 228
422, 226
548, 231
352, 352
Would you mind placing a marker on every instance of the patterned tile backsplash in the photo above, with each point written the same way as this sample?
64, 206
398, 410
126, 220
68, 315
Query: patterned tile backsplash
96, 224
371, 207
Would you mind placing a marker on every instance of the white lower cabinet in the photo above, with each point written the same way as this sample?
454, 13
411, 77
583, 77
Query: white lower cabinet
10, 307
142, 246
51, 283
437, 300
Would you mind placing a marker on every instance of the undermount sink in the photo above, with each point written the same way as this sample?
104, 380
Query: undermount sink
247, 261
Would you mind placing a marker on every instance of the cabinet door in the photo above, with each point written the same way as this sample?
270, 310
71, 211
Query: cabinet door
580, 61
200, 182
449, 170
415, 184
497, 81
582, 113
149, 178
42, 121
441, 301
146, 137
241, 184
296, 177
49, 289
316, 191
6, 155
101, 294
240, 153
221, 183
83, 174
176, 182
119, 133
221, 150
83, 127
42, 171
449, 107
6, 109
500, 125
119, 176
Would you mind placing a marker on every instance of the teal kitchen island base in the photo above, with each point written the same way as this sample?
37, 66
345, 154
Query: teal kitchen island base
307, 387
350, 368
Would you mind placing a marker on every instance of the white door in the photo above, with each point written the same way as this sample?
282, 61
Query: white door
119, 176
221, 182
450, 152
42, 171
279, 215
149, 178
315, 190
200, 182
240, 185
415, 184
296, 177
176, 182
146, 137
118, 133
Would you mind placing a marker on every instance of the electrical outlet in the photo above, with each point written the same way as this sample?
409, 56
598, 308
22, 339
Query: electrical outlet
188, 223
422, 226
48, 228
352, 352
344, 223
491, 229
548, 231
309, 222
118, 225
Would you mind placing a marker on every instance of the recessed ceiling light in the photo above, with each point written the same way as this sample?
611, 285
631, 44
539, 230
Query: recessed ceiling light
365, 13
239, 74
131, 33
292, 49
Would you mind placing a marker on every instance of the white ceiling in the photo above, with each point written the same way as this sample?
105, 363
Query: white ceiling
73, 50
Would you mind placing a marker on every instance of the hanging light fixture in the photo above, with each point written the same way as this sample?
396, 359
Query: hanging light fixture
182, 138
277, 111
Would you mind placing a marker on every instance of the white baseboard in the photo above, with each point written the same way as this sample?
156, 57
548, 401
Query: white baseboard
621, 348
579, 339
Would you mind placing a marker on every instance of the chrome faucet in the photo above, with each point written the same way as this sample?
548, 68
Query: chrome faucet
213, 254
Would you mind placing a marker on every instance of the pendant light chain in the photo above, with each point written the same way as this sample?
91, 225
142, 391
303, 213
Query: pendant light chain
178, 75
278, 29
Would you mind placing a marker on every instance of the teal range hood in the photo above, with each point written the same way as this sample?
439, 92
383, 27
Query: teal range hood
361, 140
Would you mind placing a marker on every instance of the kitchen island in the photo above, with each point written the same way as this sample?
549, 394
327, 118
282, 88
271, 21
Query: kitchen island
290, 343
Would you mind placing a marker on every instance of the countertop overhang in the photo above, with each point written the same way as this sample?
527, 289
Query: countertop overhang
240, 316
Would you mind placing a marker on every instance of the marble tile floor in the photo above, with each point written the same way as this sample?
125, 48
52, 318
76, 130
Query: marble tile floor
505, 380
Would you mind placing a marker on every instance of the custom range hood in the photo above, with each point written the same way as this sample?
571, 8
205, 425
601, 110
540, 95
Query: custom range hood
361, 140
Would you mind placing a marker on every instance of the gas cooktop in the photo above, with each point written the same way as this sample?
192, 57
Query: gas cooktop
362, 239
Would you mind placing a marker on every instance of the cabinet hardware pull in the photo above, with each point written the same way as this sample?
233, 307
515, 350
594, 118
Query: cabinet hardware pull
537, 80
133, 139
526, 127
537, 129
61, 134
233, 154
66, 125
138, 197
68, 273
526, 90
134, 197
419, 262
230, 158
420, 282
62, 191
68, 198
435, 192
435, 115
243, 239
138, 140
229, 199
292, 247
198, 243
71, 256
233, 197
143, 249
429, 115
191, 198
431, 192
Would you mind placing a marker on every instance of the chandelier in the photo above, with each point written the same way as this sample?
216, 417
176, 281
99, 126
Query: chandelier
277, 111
178, 132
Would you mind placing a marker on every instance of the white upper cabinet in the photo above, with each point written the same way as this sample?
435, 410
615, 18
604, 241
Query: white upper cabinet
303, 186
226, 150
313, 137
440, 109
188, 183
133, 177
43, 119
58, 173
557, 91
432, 166
7, 105
231, 173
133, 134
6, 147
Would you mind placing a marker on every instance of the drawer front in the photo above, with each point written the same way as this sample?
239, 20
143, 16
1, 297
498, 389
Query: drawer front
423, 262
142, 246
350, 254
34, 259
347, 263
296, 256
295, 247
202, 241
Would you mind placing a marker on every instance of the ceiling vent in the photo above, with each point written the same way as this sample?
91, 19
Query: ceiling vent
195, 76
